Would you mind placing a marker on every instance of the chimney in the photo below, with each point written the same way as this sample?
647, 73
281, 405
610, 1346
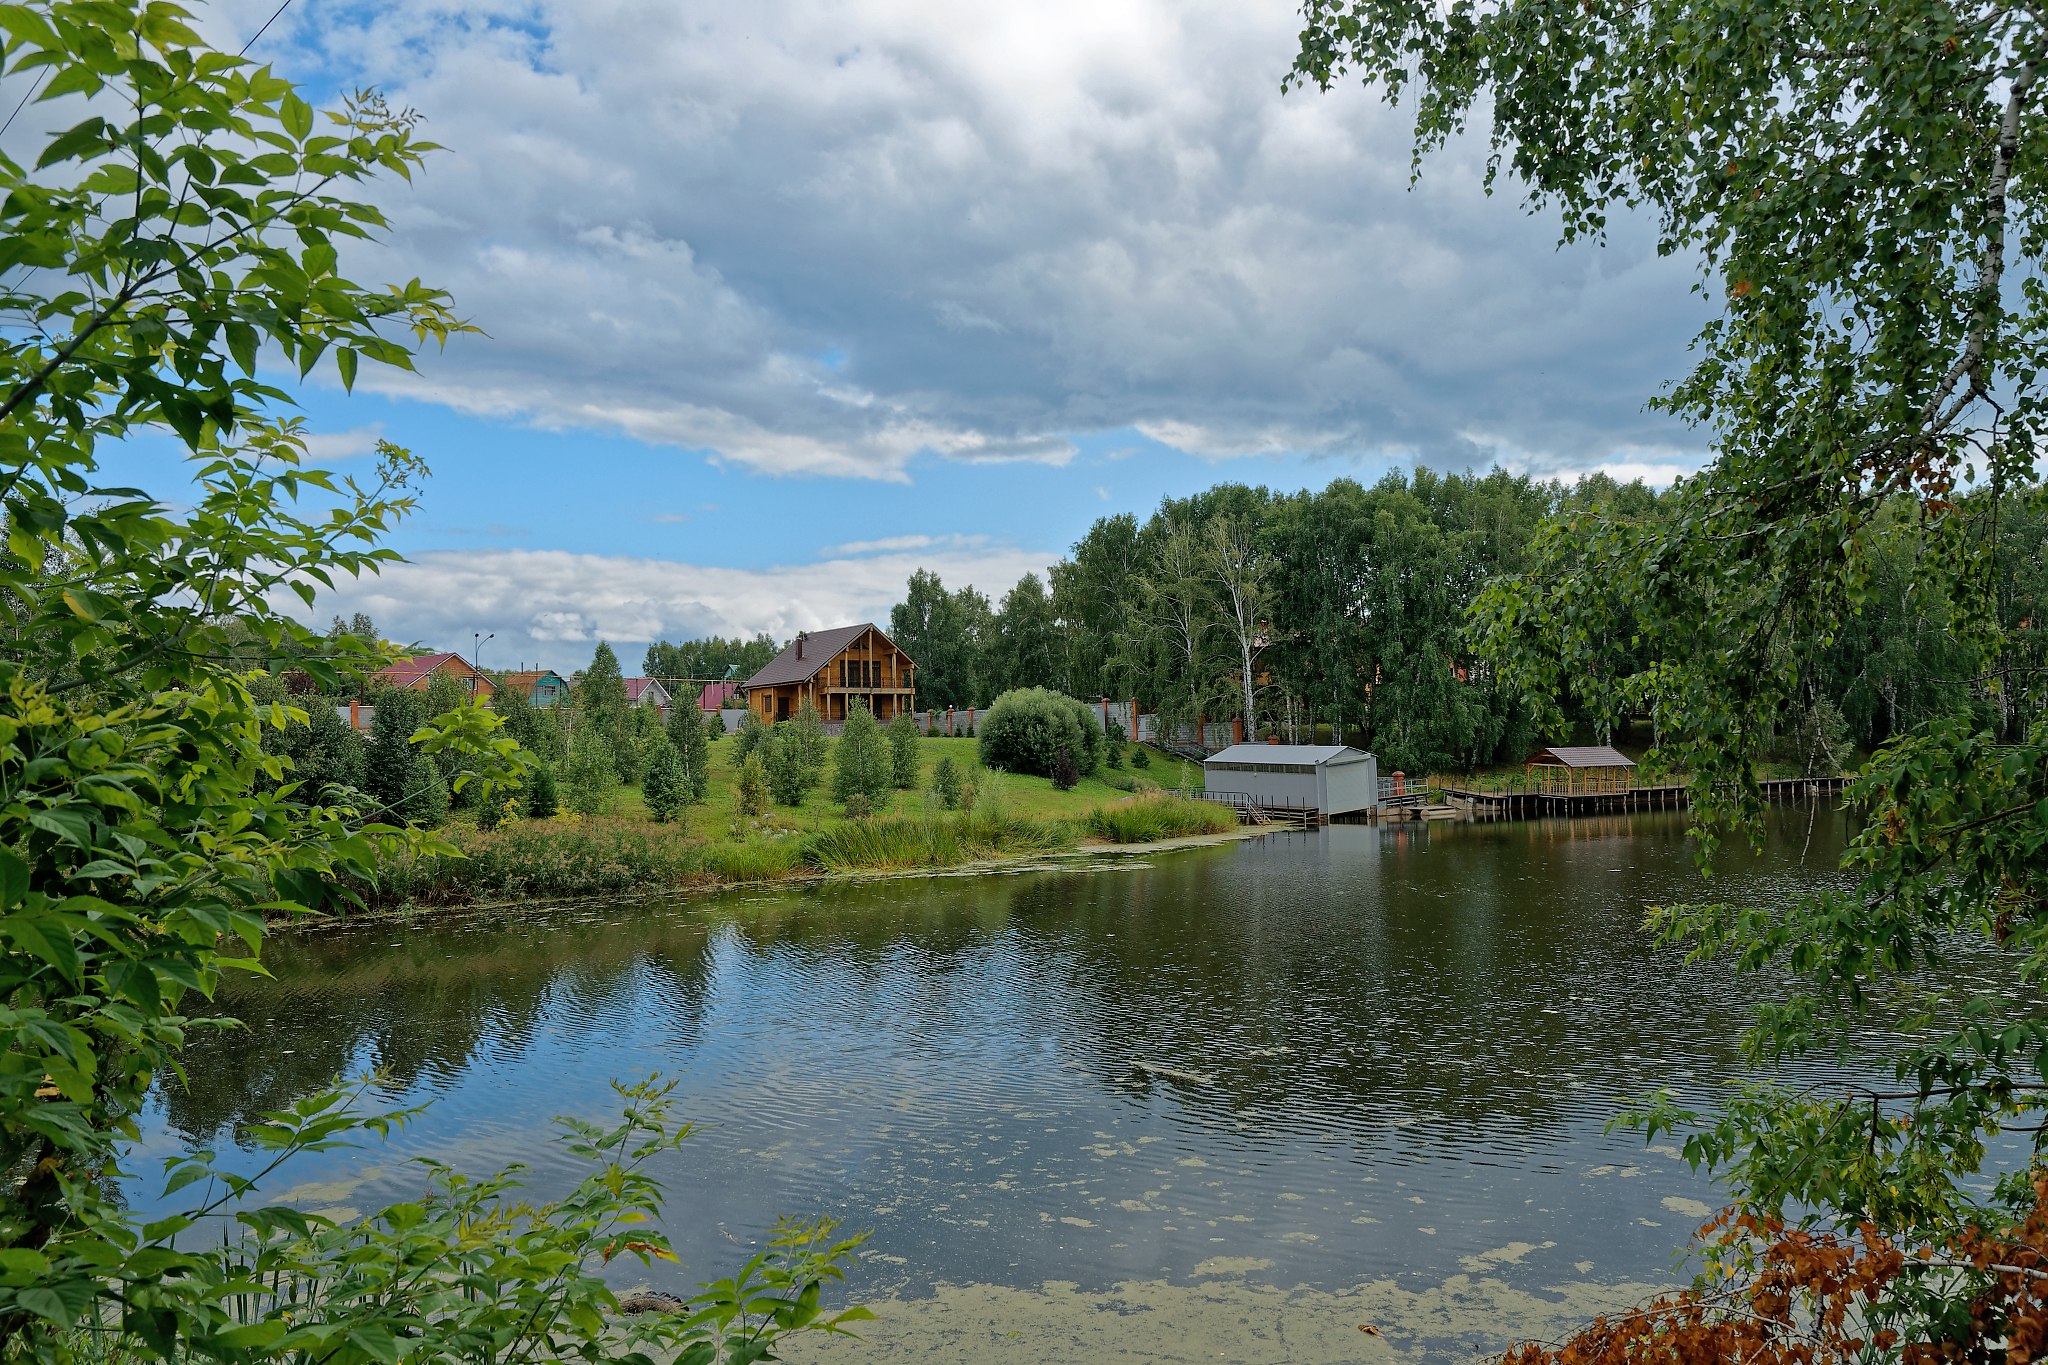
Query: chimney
801, 636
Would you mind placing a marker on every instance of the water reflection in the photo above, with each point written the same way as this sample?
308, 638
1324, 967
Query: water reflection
1367, 1053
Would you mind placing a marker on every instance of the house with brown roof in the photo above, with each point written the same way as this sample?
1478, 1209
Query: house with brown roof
832, 669
413, 675
543, 686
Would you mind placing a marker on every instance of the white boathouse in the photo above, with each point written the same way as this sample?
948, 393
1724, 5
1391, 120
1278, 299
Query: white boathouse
1328, 779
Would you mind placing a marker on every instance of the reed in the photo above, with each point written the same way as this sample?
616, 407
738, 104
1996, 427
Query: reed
1151, 818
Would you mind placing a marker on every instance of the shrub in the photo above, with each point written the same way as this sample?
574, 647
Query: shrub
388, 757
858, 807
665, 785
752, 731
903, 750
946, 783
1113, 753
1026, 728
1150, 818
860, 765
714, 725
1065, 776
1141, 757
426, 803
541, 799
752, 788
1122, 781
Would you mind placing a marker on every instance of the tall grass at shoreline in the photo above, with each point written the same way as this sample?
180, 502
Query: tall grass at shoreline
990, 828
1151, 818
569, 857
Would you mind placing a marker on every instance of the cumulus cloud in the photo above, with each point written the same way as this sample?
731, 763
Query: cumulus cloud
343, 445
551, 607
830, 237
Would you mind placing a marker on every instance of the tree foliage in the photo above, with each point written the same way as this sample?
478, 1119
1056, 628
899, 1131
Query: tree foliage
903, 759
860, 761
664, 784
712, 659
692, 743
1860, 185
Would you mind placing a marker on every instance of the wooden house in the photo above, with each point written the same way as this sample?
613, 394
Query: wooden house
413, 675
832, 668
543, 686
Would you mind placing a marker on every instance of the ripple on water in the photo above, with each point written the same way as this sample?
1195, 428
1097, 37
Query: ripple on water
1309, 1073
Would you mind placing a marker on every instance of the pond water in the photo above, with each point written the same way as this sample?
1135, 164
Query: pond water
1226, 1103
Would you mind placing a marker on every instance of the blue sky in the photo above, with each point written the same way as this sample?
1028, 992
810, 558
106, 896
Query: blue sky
786, 298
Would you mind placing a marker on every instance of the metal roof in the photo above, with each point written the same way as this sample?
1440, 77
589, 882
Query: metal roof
1288, 755
636, 688
1584, 756
407, 672
820, 647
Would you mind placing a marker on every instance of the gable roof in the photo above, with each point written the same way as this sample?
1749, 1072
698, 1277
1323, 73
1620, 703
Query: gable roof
409, 672
820, 647
716, 695
1584, 756
1288, 755
636, 688
526, 679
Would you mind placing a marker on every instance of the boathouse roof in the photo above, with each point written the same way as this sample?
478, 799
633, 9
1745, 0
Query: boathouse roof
1288, 755
1583, 756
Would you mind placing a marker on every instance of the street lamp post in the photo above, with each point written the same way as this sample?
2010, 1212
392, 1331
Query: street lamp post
476, 658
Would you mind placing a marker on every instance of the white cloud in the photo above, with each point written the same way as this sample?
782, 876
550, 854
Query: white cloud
913, 542
550, 607
829, 237
343, 445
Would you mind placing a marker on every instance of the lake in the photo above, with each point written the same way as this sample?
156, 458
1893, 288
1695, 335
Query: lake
1226, 1103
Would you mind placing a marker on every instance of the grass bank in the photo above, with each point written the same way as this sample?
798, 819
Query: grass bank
1149, 819
1007, 816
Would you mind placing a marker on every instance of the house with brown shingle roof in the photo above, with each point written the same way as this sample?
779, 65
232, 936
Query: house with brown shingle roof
832, 669
412, 675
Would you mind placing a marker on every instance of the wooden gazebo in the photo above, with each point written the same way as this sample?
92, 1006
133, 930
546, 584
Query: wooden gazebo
1580, 770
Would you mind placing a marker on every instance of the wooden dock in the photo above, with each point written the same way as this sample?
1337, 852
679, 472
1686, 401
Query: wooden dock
1525, 805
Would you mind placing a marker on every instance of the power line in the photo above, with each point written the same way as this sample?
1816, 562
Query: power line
46, 71
259, 32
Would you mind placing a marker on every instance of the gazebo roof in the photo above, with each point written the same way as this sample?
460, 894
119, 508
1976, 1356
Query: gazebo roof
1583, 756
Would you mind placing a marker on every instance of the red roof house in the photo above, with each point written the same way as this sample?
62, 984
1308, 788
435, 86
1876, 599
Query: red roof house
412, 675
717, 696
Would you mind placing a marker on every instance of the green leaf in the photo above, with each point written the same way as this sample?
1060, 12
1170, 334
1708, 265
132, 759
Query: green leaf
297, 117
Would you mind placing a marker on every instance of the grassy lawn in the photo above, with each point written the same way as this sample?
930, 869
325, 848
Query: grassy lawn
1034, 797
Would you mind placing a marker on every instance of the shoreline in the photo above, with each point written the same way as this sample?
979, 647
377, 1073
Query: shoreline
808, 876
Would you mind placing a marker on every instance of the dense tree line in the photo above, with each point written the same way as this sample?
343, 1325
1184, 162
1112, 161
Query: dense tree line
711, 658
1339, 611
1344, 612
